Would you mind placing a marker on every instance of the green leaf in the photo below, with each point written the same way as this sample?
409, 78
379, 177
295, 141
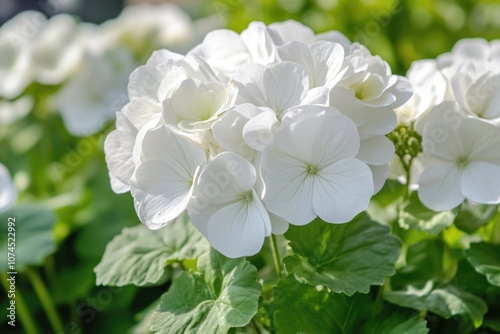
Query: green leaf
427, 260
486, 260
471, 216
34, 236
346, 258
396, 321
139, 255
224, 294
302, 308
415, 215
445, 301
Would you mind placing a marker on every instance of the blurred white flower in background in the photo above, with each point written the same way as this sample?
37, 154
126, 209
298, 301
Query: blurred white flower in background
16, 39
90, 63
92, 96
8, 192
56, 50
300, 122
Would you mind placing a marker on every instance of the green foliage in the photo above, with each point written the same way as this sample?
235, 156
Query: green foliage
139, 255
445, 301
34, 236
346, 258
396, 321
471, 216
417, 216
302, 308
223, 294
486, 260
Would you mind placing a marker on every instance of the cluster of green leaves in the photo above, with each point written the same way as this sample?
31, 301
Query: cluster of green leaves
357, 277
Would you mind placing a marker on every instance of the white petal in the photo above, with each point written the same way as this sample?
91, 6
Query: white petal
481, 140
380, 175
402, 90
329, 59
228, 130
167, 188
481, 182
289, 192
278, 224
378, 121
376, 151
118, 146
249, 80
162, 143
144, 82
291, 30
439, 187
139, 111
342, 190
317, 95
239, 229
285, 85
343, 99
299, 53
440, 140
258, 132
226, 178
225, 51
259, 43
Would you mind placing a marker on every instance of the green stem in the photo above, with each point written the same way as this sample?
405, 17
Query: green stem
22, 310
47, 303
276, 256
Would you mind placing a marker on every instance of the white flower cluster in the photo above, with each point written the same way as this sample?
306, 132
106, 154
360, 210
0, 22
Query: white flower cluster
456, 109
250, 132
88, 64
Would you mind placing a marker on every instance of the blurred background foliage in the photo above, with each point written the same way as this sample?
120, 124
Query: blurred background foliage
52, 168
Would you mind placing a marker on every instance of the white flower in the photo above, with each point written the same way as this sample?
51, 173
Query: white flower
322, 61
16, 68
56, 50
11, 111
91, 97
119, 146
373, 124
8, 192
229, 130
163, 181
461, 160
225, 50
310, 170
281, 124
429, 89
478, 97
370, 80
471, 53
275, 89
194, 105
226, 208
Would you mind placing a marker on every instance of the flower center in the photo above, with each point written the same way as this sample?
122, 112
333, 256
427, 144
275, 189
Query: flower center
312, 170
247, 197
462, 162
